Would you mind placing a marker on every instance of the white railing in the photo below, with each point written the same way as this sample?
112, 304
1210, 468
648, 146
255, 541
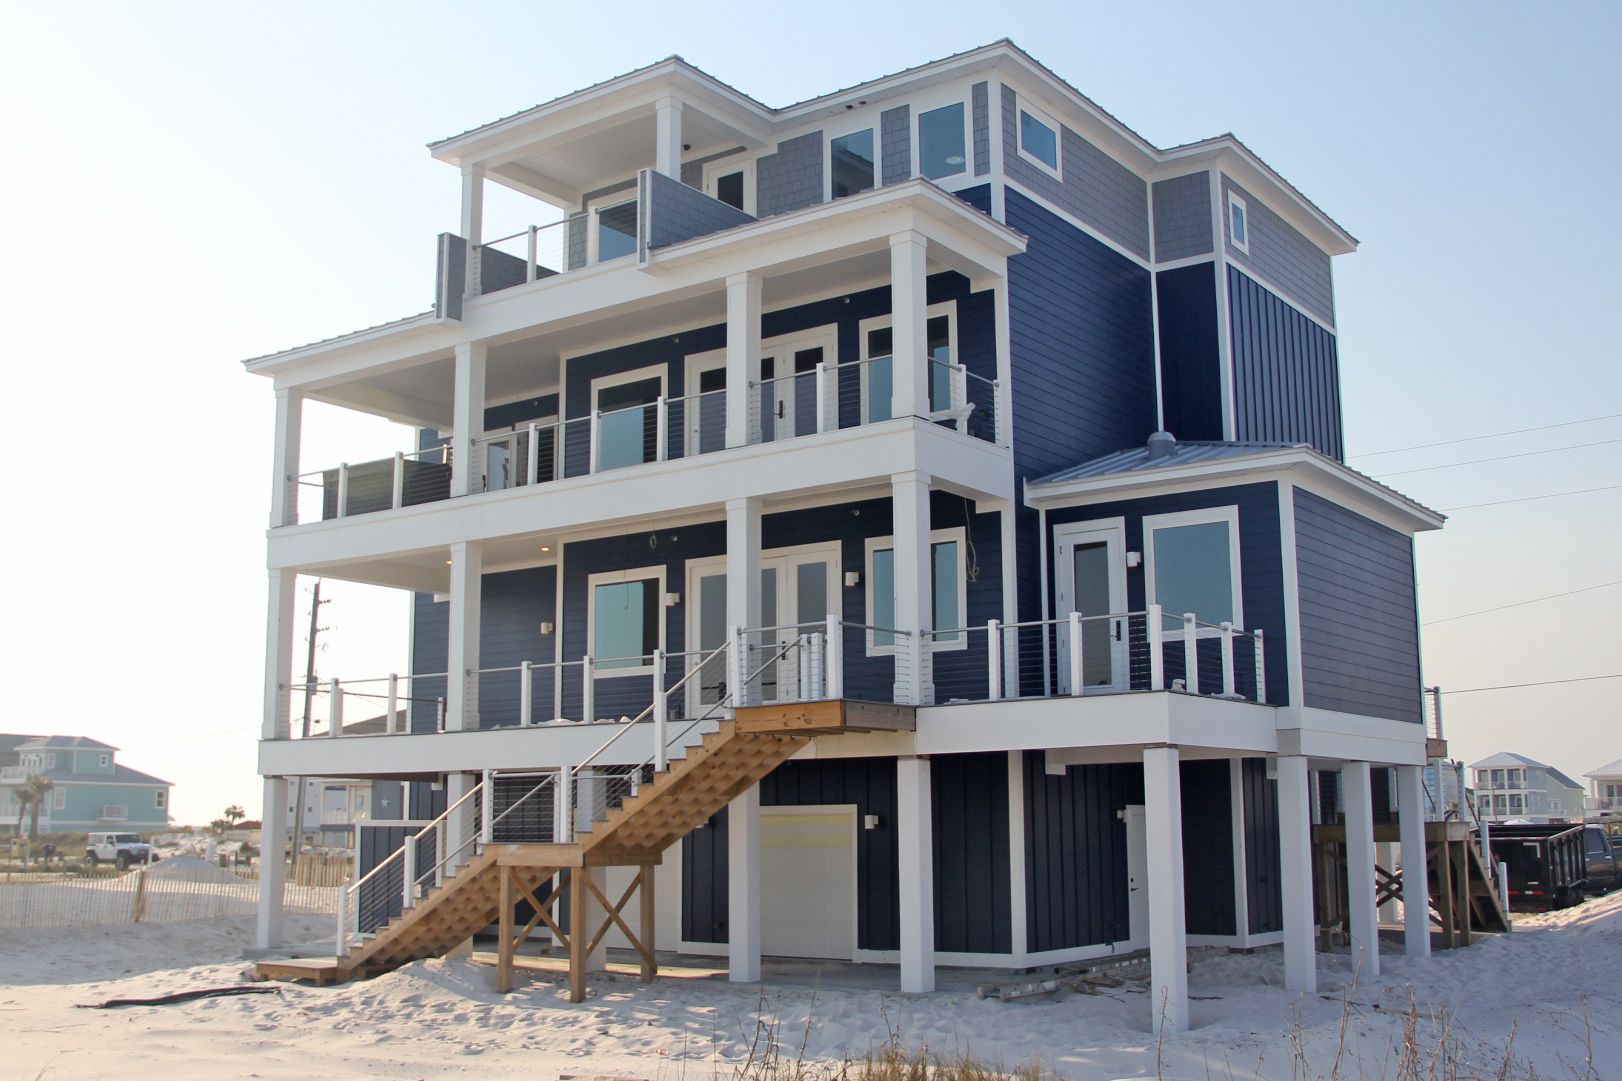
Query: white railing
395, 704
405, 480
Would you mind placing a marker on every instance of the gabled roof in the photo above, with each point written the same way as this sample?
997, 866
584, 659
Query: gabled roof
1610, 769
1511, 759
65, 743
1137, 471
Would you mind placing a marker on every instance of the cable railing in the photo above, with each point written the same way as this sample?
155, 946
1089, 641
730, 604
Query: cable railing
539, 251
396, 704
404, 480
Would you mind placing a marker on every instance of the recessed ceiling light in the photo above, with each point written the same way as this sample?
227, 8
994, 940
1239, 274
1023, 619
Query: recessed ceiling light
546, 547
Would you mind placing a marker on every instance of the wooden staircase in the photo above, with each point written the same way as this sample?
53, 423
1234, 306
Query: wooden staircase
486, 889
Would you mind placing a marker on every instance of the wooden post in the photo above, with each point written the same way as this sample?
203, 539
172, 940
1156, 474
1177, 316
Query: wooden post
504, 963
1461, 893
578, 935
650, 967
1443, 862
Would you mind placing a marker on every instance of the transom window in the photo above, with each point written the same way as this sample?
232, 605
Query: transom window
626, 618
852, 164
1238, 223
1039, 140
1193, 564
948, 590
942, 142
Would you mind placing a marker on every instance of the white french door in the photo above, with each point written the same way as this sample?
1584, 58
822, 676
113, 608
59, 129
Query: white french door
1090, 578
788, 375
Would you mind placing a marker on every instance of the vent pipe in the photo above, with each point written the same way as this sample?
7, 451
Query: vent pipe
1161, 444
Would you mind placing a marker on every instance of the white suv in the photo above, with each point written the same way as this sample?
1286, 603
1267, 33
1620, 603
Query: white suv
124, 849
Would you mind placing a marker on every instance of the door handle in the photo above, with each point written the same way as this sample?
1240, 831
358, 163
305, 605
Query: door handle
1117, 624
779, 410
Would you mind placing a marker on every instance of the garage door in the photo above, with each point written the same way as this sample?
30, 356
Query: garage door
808, 882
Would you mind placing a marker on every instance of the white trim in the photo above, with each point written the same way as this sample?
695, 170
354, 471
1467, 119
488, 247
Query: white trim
1185, 261
1056, 171
961, 94
1065, 534
1237, 203
637, 574
1230, 421
733, 163
957, 534
999, 202
1019, 931
1293, 664
1227, 515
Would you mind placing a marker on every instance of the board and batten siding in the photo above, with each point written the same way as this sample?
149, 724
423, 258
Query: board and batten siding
1075, 853
1286, 371
1281, 254
1359, 616
1263, 870
1208, 894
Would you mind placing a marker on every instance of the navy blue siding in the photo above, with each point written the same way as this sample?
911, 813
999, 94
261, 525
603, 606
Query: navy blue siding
1286, 369
512, 414
1190, 362
1264, 881
514, 604
869, 784
970, 819
677, 212
1207, 794
1075, 850
1261, 567
1359, 619
1081, 343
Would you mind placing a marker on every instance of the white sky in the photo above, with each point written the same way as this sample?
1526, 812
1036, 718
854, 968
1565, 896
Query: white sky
187, 185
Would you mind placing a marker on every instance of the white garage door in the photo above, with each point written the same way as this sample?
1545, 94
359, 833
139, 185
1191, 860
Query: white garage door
808, 882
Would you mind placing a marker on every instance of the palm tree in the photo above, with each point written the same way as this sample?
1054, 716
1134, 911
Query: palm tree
235, 814
30, 798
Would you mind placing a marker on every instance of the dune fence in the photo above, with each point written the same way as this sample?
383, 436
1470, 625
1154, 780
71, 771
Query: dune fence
144, 895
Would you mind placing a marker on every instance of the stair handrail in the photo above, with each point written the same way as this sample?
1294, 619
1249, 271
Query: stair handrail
622, 727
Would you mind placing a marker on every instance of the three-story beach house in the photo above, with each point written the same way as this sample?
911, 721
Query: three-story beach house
908, 526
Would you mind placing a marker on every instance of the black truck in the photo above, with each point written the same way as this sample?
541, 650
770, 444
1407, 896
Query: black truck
1546, 863
1604, 860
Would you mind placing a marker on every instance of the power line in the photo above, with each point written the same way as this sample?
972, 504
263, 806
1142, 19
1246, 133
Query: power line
1517, 604
1530, 498
1490, 435
1501, 457
1541, 683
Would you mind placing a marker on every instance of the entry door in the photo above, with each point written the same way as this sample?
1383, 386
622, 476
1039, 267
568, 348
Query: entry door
1137, 876
627, 430
704, 412
707, 631
788, 392
1090, 565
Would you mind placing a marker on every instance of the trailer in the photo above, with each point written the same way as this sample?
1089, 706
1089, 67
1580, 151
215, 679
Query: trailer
1545, 863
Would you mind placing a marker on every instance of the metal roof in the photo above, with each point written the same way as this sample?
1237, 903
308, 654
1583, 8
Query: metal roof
1510, 758
59, 743
1610, 769
1135, 459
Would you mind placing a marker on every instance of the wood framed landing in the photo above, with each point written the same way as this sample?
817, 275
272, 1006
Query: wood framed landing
827, 717
318, 970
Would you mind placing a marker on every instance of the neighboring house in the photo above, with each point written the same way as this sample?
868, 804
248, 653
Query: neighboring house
1512, 786
1605, 787
89, 790
1445, 790
333, 810
929, 407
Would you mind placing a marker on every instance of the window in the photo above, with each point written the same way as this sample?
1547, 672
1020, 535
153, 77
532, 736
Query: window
104, 760
615, 233
729, 189
1238, 223
160, 798
1193, 564
851, 164
627, 422
59, 798
942, 142
732, 182
1515, 778
1039, 140
877, 339
948, 590
1498, 778
626, 618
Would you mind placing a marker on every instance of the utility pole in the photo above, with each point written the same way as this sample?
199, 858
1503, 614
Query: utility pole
309, 693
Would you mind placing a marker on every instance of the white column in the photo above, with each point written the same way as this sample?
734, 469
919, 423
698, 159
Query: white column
279, 620
1365, 919
1416, 914
473, 204
468, 422
272, 863
1168, 928
914, 600
667, 127
915, 841
743, 352
289, 432
462, 656
1295, 872
743, 574
909, 393
743, 887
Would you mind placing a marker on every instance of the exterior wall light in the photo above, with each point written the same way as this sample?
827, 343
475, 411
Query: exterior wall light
853, 579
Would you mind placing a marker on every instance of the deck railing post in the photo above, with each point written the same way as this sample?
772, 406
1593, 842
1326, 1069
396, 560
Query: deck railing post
342, 939
343, 489
834, 652
1227, 660
822, 398
661, 429
391, 723
397, 498
588, 691
533, 455
529, 259
408, 865
487, 808
1077, 685
993, 661
439, 715
335, 709
526, 687
1191, 653
595, 424
661, 713
1261, 667
1154, 631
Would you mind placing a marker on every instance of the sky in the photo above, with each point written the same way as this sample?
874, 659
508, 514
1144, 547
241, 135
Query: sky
190, 184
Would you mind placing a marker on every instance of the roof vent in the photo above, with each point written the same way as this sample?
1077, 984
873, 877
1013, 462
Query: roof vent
1161, 444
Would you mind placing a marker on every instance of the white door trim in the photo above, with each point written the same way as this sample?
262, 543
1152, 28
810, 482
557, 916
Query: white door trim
1113, 532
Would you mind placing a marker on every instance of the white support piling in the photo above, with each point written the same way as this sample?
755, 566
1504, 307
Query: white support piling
1295, 873
1360, 889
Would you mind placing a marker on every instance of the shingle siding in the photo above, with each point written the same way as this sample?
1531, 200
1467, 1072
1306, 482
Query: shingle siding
980, 100
677, 212
1182, 217
792, 177
895, 144
1096, 189
1359, 620
1286, 371
1281, 254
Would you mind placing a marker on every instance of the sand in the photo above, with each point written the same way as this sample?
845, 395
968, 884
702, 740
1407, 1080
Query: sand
441, 1018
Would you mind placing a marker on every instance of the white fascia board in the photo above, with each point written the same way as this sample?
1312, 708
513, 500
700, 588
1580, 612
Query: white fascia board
830, 463
1115, 721
1306, 467
403, 336
1348, 737
536, 747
